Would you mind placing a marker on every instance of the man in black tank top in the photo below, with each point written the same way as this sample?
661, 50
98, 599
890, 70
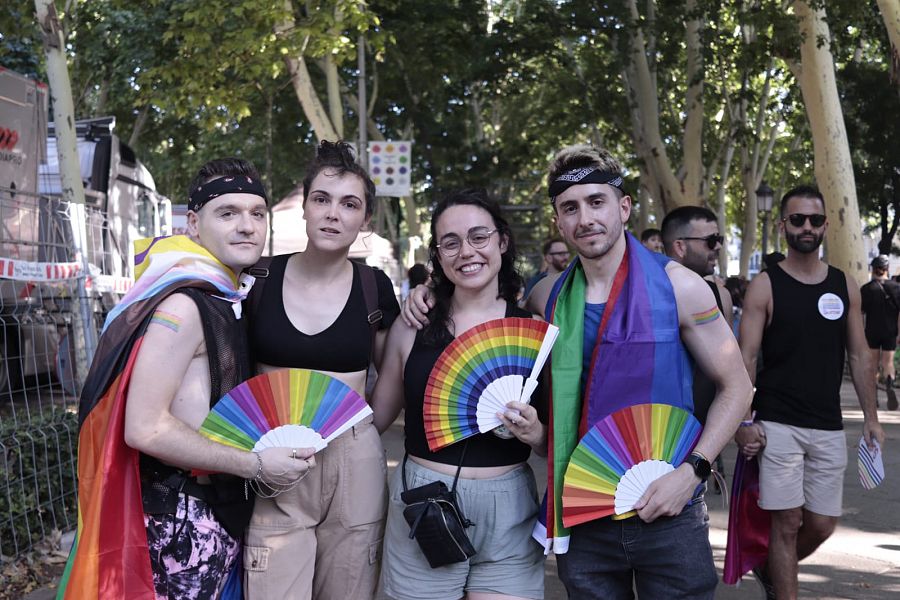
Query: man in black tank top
804, 315
880, 307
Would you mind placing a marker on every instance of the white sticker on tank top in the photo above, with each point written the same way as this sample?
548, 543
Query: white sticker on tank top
831, 306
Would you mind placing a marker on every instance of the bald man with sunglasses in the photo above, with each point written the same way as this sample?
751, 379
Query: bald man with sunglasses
804, 315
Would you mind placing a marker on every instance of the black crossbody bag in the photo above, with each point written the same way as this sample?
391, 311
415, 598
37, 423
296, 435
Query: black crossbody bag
435, 520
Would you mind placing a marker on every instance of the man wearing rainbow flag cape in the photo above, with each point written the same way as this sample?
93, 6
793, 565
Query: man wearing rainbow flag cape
147, 526
631, 323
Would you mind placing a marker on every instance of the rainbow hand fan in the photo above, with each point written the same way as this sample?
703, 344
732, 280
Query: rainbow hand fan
287, 408
620, 456
479, 372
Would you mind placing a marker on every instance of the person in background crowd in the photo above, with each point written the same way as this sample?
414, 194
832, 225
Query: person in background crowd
881, 308
652, 239
737, 287
416, 275
556, 257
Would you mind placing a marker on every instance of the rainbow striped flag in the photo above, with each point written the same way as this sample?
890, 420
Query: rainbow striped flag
110, 557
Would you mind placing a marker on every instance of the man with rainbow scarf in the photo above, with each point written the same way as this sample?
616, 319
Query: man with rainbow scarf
150, 526
632, 323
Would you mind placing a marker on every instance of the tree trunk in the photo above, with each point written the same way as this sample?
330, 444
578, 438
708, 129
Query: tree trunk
890, 12
303, 85
69, 174
138, 127
748, 237
692, 165
646, 106
834, 169
335, 109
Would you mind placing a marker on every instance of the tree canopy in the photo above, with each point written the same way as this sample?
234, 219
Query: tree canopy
700, 98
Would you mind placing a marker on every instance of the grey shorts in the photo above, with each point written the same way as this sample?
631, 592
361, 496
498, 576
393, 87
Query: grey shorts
507, 560
802, 467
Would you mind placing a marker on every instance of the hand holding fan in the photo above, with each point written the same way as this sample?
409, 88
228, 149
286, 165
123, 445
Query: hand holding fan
287, 408
620, 456
479, 372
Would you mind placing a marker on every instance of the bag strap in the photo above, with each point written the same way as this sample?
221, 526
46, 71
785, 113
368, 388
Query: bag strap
462, 457
373, 313
261, 272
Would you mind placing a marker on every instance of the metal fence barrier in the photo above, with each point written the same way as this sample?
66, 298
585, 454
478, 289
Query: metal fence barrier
38, 387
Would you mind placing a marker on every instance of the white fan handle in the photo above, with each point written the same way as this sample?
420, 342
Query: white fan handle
530, 386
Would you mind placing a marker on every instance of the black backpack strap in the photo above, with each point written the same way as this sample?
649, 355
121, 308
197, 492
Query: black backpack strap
370, 296
261, 272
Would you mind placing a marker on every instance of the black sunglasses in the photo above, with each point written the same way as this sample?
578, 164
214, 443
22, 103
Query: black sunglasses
798, 219
711, 240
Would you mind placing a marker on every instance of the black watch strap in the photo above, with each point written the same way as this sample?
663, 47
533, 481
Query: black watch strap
701, 466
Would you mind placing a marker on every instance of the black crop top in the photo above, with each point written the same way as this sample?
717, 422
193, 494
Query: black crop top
485, 449
343, 347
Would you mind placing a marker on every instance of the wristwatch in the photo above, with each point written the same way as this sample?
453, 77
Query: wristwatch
702, 468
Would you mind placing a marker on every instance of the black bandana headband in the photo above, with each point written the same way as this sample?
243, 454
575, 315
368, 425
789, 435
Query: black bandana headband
582, 176
236, 184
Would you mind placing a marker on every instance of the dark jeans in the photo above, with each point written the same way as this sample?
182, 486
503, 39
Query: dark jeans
667, 559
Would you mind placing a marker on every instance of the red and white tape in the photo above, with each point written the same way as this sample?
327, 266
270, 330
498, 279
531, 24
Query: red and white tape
21, 270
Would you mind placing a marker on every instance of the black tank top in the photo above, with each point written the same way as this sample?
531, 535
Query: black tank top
229, 365
343, 347
803, 352
485, 449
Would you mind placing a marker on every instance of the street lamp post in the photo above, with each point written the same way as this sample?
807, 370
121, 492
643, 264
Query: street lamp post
764, 197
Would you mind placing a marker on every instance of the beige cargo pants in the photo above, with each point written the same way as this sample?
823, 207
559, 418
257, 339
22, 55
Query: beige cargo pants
323, 538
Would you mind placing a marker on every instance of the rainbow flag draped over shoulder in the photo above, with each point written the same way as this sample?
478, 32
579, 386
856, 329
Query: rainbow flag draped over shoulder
639, 359
110, 558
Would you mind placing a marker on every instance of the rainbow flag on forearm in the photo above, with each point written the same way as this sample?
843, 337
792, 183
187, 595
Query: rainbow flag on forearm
110, 557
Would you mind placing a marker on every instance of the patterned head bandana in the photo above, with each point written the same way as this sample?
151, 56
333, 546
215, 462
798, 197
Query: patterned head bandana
582, 176
237, 184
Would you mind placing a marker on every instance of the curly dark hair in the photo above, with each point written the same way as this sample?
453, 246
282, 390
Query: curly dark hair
509, 282
338, 156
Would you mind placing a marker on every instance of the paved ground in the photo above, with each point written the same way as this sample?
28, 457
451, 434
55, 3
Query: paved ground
861, 560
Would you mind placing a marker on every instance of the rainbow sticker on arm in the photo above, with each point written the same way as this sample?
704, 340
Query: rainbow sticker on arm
479, 372
707, 316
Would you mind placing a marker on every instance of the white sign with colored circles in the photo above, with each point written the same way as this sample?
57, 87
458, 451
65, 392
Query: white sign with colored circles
390, 165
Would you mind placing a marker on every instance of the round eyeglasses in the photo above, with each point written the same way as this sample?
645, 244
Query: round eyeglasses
478, 237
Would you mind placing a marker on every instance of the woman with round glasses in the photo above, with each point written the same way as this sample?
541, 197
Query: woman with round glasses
474, 281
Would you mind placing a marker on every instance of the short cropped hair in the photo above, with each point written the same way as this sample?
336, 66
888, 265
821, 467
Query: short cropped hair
675, 223
649, 233
802, 191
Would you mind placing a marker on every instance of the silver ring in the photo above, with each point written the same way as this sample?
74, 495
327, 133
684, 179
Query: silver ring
294, 453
